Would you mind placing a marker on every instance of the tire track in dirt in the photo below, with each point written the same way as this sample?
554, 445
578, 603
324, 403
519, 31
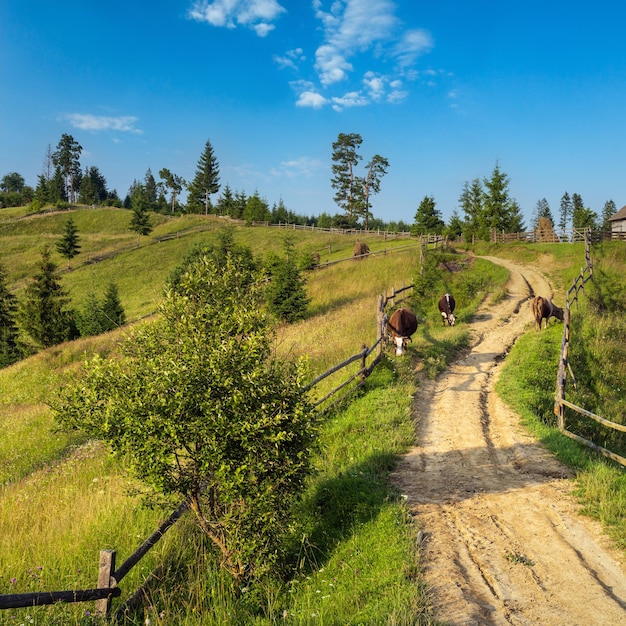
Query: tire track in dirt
502, 540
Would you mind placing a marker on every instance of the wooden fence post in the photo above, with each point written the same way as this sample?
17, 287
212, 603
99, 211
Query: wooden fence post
105, 569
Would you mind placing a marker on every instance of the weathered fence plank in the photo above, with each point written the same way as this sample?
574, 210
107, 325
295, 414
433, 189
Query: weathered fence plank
42, 598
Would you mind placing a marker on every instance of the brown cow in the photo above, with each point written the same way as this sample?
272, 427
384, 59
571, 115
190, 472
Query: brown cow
402, 324
544, 309
446, 308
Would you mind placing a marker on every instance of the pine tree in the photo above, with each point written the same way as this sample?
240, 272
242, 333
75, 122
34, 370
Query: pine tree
427, 218
43, 314
140, 221
68, 247
151, 189
66, 158
565, 211
496, 212
89, 318
206, 181
608, 211
226, 202
9, 352
471, 201
286, 292
112, 309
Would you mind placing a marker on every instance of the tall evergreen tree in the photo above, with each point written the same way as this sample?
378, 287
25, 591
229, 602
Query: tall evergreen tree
112, 309
455, 225
471, 201
226, 202
608, 211
515, 217
205, 182
257, 209
583, 217
427, 218
542, 209
151, 187
496, 211
565, 211
67, 158
285, 293
68, 247
93, 186
577, 204
140, 221
239, 205
44, 314
9, 352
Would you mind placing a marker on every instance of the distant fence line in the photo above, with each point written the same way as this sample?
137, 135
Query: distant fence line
560, 403
549, 235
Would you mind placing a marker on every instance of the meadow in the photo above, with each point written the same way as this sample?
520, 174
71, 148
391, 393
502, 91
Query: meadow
354, 559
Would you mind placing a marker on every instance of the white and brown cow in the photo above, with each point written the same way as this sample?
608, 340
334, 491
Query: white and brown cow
446, 308
544, 309
402, 324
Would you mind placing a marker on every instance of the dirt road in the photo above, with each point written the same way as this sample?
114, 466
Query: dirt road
502, 540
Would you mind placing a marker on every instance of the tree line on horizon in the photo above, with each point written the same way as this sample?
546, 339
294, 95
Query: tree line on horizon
485, 204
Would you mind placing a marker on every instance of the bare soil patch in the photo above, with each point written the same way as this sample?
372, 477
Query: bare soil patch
502, 540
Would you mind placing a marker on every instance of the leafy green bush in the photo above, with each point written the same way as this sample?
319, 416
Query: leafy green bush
200, 410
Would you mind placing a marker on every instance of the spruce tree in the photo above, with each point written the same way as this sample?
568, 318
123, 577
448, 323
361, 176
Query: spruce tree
427, 218
471, 201
68, 247
285, 294
140, 221
112, 309
9, 352
496, 212
608, 211
205, 182
44, 315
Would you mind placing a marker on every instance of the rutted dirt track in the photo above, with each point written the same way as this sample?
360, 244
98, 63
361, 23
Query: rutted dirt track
502, 540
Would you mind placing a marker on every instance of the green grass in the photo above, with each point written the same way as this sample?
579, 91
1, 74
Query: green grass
598, 360
353, 547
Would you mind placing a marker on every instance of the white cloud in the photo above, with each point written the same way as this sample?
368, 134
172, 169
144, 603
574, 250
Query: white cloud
412, 44
375, 85
302, 166
255, 14
311, 99
87, 121
291, 59
331, 64
358, 32
350, 99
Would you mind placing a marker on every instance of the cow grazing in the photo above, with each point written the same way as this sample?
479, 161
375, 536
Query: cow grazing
544, 309
446, 308
402, 324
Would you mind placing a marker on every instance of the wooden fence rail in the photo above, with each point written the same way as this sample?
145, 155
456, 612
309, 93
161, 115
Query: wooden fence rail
560, 403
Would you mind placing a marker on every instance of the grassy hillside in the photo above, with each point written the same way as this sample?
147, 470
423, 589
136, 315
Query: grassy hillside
62, 498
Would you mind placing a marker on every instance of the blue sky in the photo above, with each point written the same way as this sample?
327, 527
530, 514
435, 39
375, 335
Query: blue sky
442, 89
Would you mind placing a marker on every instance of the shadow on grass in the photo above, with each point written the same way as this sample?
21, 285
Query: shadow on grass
342, 503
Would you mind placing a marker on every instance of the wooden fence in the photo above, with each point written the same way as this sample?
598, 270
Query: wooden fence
560, 402
572, 235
